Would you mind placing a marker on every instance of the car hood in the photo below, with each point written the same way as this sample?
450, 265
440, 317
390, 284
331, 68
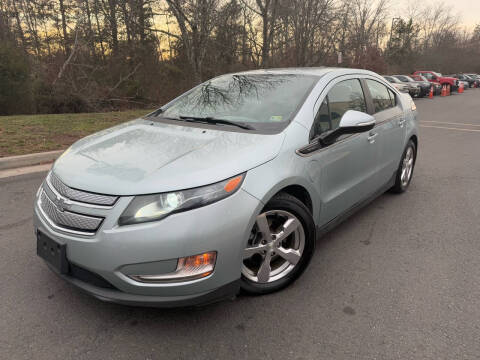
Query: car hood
143, 157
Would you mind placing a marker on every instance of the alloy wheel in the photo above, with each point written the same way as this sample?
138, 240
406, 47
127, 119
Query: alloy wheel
407, 166
274, 248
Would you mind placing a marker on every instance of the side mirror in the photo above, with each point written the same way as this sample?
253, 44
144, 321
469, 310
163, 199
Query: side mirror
352, 122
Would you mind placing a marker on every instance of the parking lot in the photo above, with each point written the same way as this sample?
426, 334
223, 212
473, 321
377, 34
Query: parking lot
398, 280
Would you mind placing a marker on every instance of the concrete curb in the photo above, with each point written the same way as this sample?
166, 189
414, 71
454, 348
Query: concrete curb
13, 162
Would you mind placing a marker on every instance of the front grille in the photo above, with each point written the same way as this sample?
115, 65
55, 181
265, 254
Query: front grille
66, 219
79, 195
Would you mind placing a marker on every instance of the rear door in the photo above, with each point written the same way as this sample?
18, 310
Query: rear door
390, 127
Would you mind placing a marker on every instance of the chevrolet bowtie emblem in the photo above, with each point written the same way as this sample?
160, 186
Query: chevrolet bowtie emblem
62, 204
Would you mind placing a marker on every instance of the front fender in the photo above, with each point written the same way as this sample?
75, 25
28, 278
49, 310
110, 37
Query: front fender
270, 178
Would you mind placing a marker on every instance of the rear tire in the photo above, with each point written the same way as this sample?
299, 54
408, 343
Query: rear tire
280, 247
405, 168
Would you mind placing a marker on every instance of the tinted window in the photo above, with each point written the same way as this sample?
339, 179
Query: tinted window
392, 97
381, 96
344, 96
253, 98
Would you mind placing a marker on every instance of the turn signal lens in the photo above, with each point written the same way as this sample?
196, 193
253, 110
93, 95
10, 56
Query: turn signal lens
233, 183
188, 268
414, 107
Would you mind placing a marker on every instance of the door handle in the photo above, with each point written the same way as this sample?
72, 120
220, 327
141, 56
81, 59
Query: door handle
401, 122
371, 137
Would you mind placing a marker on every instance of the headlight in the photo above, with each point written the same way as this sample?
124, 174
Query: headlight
147, 208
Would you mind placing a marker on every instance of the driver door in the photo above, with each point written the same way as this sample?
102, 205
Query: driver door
344, 172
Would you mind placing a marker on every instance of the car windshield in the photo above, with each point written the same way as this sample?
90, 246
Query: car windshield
437, 74
263, 100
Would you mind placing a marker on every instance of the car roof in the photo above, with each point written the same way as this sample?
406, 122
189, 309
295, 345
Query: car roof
316, 71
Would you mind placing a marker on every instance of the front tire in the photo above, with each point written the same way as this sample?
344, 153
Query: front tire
280, 246
405, 169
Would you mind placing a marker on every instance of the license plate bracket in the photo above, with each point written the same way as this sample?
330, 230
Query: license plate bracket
52, 252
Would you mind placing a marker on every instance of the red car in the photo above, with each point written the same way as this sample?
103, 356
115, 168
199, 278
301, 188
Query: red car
437, 87
433, 77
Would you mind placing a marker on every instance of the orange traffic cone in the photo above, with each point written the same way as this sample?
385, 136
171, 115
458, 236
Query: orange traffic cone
460, 88
449, 90
444, 91
430, 95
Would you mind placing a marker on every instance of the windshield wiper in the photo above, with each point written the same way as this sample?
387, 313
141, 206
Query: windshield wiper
212, 120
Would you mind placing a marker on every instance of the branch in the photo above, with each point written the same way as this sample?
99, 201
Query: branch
65, 64
166, 33
122, 79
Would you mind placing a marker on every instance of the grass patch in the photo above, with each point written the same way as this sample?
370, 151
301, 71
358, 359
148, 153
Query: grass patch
25, 134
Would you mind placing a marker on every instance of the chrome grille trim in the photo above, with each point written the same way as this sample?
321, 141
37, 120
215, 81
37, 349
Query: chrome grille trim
78, 195
65, 220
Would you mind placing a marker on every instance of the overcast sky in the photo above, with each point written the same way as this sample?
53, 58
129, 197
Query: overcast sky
469, 10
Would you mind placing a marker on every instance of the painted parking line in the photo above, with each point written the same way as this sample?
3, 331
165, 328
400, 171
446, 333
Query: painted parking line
448, 123
450, 128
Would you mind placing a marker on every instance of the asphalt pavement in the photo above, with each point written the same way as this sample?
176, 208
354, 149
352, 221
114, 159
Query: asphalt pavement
398, 280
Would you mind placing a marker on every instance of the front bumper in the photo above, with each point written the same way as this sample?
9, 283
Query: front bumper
115, 252
415, 92
227, 291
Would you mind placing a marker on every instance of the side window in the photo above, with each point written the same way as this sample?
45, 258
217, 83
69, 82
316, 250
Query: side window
392, 97
381, 95
344, 96
428, 76
322, 121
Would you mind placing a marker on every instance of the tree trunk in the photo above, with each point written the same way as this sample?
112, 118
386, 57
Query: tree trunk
91, 41
112, 18
64, 27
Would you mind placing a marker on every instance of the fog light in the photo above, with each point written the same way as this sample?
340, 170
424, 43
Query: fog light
188, 268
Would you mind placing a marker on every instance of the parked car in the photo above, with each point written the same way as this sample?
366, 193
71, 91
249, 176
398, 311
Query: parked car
424, 85
225, 187
475, 78
467, 81
433, 76
397, 84
414, 89
437, 87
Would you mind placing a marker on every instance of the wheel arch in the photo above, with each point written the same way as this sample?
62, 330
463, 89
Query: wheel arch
298, 187
299, 192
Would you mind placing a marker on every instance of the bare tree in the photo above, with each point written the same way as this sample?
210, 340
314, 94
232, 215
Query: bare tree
196, 20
